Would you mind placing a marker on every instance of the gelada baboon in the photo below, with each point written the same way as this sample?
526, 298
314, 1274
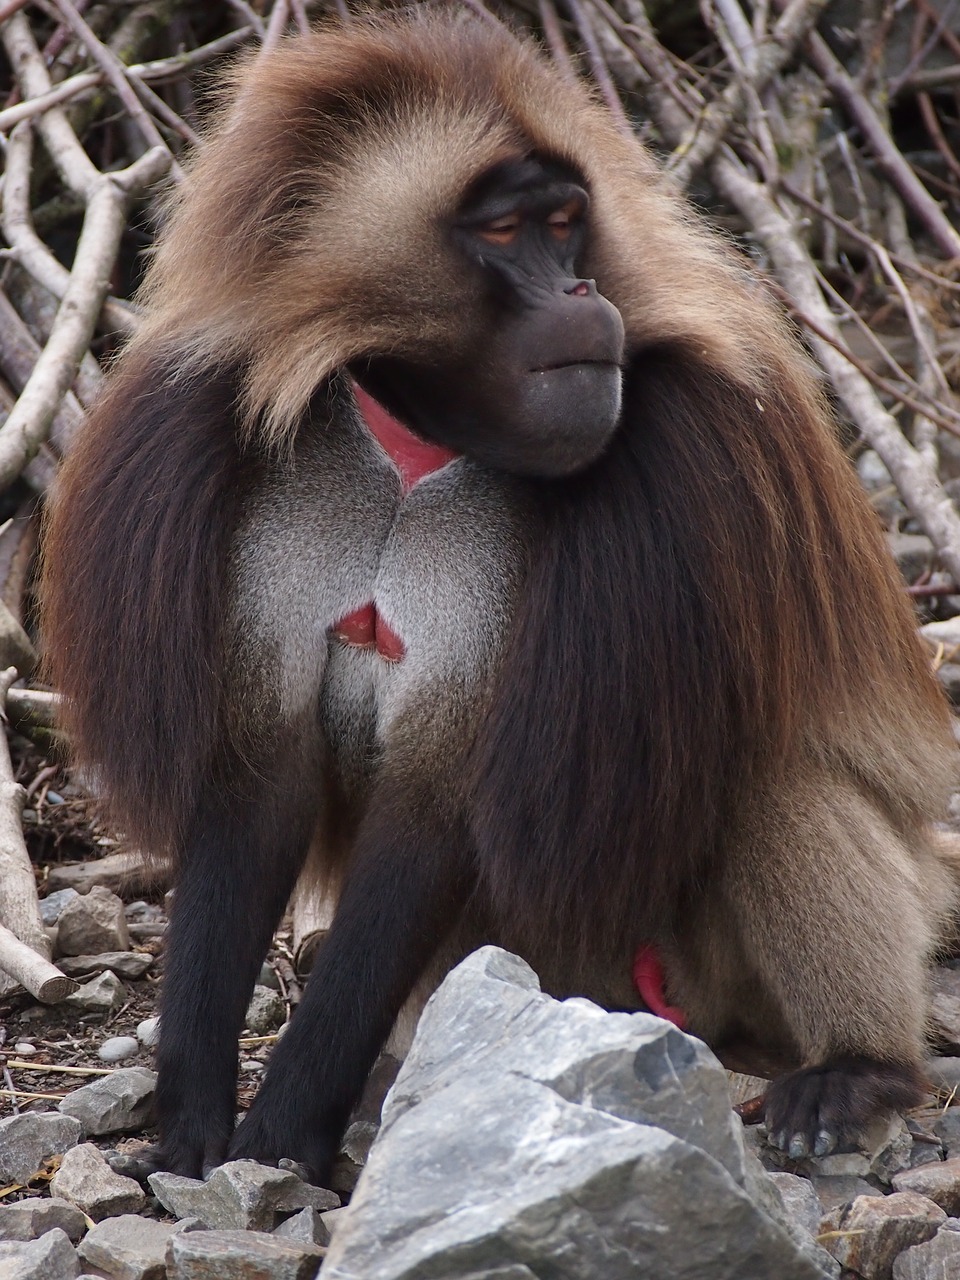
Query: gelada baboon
465, 513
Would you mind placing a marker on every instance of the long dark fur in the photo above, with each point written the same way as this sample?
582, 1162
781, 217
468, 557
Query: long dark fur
682, 681
688, 614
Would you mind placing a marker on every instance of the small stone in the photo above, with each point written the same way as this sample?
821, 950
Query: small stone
332, 1217
800, 1200
307, 1226
948, 673
52, 1257
31, 1218
24, 1049
947, 1129
945, 1007
873, 1230
944, 1073
93, 923
945, 633
52, 905
125, 964
85, 1179
939, 1182
129, 1247
141, 912
148, 1032
101, 994
118, 1103
240, 1255
117, 1048
240, 1194
251, 1065
268, 977
913, 553
936, 1259
27, 1140
836, 1190
265, 1012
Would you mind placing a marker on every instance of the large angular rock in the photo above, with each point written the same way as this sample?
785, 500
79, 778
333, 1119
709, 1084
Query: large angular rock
241, 1194
867, 1236
86, 1180
129, 1247
241, 1255
937, 1259
939, 1182
31, 1218
527, 1137
52, 1257
93, 923
29, 1139
117, 1103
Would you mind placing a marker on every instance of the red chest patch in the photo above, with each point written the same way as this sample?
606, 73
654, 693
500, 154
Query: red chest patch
414, 458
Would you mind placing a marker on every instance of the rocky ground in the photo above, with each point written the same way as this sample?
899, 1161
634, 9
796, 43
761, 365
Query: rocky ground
564, 1142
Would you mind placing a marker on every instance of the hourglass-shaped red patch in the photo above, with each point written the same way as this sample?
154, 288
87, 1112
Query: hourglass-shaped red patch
365, 628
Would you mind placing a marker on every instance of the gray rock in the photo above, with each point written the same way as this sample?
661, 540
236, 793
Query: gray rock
129, 1247
800, 1200
29, 1139
520, 1138
872, 1231
117, 1048
29, 1219
939, 1182
241, 1194
352, 1156
936, 1259
945, 1007
944, 1073
268, 977
24, 1049
265, 1012
241, 1255
86, 1180
54, 903
118, 1103
946, 633
52, 1257
948, 673
125, 964
148, 1032
306, 1226
837, 1189
947, 1129
913, 553
93, 923
101, 994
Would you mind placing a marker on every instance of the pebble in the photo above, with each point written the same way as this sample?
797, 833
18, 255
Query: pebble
117, 1048
24, 1049
148, 1032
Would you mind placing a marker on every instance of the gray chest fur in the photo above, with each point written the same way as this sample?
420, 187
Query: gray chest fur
331, 534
